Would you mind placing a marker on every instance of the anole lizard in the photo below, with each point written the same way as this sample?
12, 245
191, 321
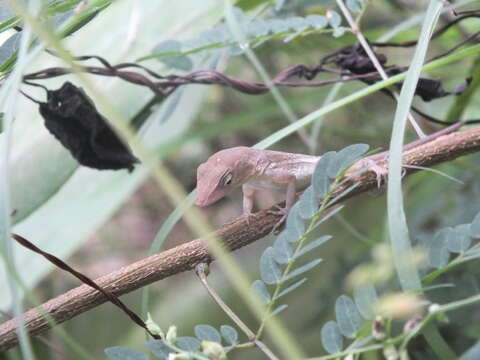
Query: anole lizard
255, 169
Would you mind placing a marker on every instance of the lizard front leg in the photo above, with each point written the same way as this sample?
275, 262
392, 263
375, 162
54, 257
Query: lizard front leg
248, 192
290, 198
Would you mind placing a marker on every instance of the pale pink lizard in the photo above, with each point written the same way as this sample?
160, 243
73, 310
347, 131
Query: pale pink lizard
255, 169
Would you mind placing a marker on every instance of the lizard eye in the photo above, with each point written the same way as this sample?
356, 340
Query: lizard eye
227, 179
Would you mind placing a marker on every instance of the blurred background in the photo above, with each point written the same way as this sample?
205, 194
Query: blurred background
99, 223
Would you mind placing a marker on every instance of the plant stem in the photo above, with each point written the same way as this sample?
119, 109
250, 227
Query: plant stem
201, 271
366, 46
437, 343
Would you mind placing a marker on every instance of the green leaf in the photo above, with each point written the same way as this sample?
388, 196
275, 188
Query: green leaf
438, 253
168, 106
307, 204
473, 352
123, 353
290, 288
229, 334
261, 289
256, 32
332, 340
258, 28
295, 225
397, 222
313, 245
475, 227
339, 31
334, 19
188, 343
345, 158
177, 62
297, 24
343, 194
9, 47
50, 165
279, 5
5, 12
348, 317
320, 179
282, 250
317, 21
354, 6
472, 253
365, 298
329, 215
302, 269
269, 270
279, 309
159, 348
458, 238
208, 333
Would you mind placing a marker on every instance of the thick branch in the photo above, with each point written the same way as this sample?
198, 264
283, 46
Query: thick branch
235, 235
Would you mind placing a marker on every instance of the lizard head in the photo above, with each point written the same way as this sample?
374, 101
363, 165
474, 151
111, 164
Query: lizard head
222, 173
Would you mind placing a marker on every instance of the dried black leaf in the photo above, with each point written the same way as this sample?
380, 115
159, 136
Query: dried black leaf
429, 89
71, 116
355, 60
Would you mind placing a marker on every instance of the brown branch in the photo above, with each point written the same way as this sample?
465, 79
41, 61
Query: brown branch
235, 235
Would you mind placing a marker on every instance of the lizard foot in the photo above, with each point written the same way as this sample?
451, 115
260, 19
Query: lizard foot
248, 217
381, 173
277, 210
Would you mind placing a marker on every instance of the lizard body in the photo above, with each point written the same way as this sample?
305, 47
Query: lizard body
255, 169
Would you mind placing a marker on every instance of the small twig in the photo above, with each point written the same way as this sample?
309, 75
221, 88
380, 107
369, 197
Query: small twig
437, 33
54, 347
366, 46
202, 271
457, 46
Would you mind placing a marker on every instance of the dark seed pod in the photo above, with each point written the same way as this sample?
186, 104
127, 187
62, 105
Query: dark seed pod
70, 115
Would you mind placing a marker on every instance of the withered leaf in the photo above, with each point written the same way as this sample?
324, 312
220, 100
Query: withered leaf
70, 115
355, 60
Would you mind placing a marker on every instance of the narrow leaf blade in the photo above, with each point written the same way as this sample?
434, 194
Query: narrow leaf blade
290, 288
269, 270
438, 254
458, 239
261, 289
345, 158
302, 269
313, 245
123, 353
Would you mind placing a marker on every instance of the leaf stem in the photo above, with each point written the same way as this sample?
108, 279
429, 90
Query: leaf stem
201, 271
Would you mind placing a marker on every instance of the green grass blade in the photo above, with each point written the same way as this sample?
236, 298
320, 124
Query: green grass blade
8, 102
397, 223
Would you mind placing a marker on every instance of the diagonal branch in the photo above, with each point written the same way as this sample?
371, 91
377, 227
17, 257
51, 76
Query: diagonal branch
235, 235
